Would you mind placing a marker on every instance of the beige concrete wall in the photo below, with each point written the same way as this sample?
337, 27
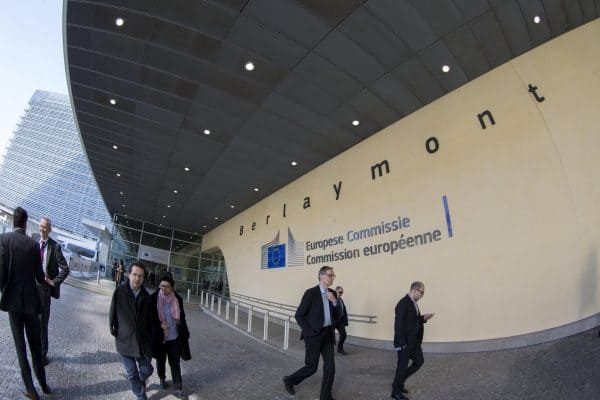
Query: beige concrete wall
523, 196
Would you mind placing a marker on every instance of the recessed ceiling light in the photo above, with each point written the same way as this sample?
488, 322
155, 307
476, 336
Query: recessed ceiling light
537, 19
204, 226
294, 163
159, 224
232, 206
115, 146
168, 206
118, 174
216, 218
445, 68
175, 191
113, 101
249, 66
186, 168
256, 189
164, 216
356, 122
123, 205
207, 131
121, 193
119, 21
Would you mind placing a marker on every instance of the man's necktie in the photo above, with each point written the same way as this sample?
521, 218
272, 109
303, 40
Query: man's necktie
42, 250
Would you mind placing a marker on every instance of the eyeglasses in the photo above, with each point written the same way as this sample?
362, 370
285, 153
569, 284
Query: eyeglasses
421, 291
331, 275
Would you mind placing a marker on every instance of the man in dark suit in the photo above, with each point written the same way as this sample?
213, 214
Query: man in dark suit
128, 321
56, 269
20, 267
317, 313
408, 336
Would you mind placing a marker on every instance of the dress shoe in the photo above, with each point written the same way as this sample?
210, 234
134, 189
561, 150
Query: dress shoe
164, 384
288, 386
399, 397
404, 390
342, 352
45, 361
31, 394
46, 389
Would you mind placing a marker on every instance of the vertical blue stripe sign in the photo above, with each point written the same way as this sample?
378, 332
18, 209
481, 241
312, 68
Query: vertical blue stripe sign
448, 220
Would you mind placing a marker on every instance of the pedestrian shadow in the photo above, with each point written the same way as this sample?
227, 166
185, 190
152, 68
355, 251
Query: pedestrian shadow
192, 384
88, 358
82, 391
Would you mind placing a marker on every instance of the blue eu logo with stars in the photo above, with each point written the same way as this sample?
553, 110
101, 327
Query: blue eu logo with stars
276, 256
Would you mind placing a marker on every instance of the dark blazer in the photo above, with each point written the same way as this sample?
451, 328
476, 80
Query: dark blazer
128, 322
344, 319
157, 332
408, 326
20, 267
309, 314
57, 268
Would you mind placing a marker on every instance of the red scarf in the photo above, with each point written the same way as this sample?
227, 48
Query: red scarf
171, 300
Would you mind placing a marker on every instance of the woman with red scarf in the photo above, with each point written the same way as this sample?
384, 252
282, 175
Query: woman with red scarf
170, 333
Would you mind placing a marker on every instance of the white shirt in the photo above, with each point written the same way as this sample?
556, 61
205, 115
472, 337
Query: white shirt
44, 255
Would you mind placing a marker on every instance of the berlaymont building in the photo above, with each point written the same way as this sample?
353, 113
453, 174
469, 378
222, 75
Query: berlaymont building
453, 142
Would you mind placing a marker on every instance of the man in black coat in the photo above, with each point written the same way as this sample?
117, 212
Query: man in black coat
317, 313
56, 269
128, 323
20, 267
408, 336
343, 322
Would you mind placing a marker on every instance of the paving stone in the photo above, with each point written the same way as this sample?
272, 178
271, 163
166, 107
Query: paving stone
230, 365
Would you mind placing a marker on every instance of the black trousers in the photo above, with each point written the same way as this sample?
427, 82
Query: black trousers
30, 324
412, 352
171, 350
342, 330
45, 298
321, 344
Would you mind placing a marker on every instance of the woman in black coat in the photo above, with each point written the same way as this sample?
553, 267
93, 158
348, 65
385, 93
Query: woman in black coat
169, 330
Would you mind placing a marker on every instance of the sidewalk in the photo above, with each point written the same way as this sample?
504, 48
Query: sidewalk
230, 365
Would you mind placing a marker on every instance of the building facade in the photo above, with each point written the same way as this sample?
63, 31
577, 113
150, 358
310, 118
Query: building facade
46, 171
166, 250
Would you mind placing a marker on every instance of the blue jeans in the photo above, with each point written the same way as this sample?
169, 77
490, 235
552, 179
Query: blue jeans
137, 373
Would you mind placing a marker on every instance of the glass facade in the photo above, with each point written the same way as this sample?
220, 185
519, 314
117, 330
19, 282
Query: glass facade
163, 250
45, 169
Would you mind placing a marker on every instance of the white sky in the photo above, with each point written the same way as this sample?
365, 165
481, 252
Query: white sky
31, 58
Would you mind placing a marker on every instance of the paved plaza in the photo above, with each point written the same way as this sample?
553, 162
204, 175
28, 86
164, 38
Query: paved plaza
230, 365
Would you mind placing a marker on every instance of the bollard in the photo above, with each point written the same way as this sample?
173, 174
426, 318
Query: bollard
250, 320
235, 313
219, 306
286, 334
227, 310
188, 296
266, 327
212, 303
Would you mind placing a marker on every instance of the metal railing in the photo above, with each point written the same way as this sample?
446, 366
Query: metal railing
269, 310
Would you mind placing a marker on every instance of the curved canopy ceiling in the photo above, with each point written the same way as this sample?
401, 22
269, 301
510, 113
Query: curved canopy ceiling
175, 70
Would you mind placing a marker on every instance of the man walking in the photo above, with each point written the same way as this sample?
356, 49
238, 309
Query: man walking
408, 336
20, 267
128, 322
317, 313
56, 269
343, 322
